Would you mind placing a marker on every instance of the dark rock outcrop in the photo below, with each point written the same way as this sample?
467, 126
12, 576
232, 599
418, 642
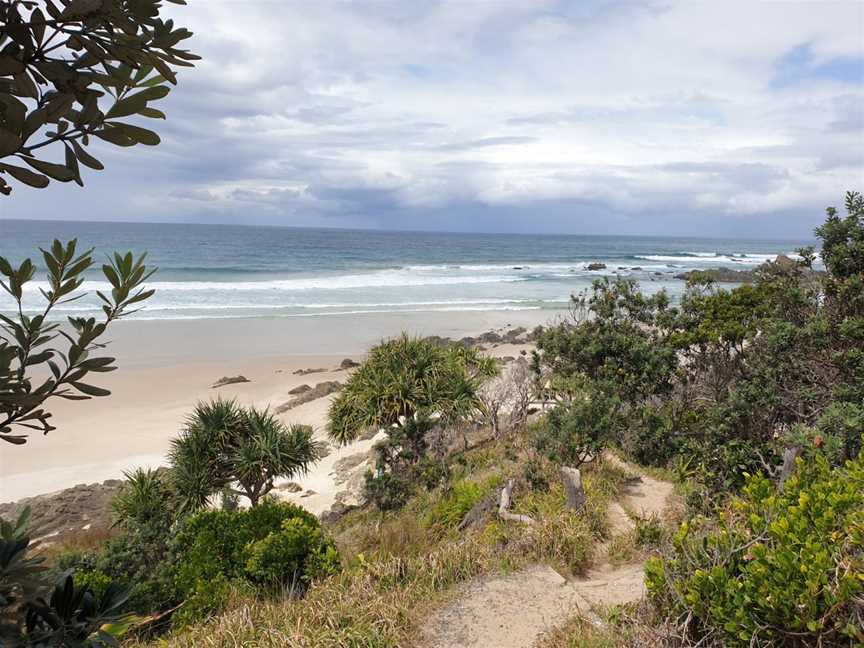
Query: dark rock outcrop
230, 380
318, 391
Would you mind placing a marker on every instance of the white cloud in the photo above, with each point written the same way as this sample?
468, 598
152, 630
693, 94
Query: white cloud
369, 113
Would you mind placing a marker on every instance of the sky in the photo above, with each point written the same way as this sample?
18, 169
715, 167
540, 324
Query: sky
721, 118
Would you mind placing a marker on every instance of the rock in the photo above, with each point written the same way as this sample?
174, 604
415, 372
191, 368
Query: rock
318, 391
658, 274
784, 262
300, 389
490, 337
348, 363
514, 336
523, 352
719, 275
636, 268
291, 487
507, 359
596, 266
306, 372
230, 380
344, 467
67, 511
309, 493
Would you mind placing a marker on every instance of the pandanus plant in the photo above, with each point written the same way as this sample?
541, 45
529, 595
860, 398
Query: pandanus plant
243, 449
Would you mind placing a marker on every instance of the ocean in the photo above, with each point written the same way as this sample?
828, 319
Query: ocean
218, 271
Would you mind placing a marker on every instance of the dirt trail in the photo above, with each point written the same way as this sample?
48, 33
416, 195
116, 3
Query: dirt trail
515, 610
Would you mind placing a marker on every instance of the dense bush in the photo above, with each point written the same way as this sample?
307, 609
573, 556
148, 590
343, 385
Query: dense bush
778, 568
578, 431
293, 555
403, 463
272, 544
728, 379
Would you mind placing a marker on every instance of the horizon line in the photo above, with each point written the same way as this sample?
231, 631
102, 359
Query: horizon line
401, 231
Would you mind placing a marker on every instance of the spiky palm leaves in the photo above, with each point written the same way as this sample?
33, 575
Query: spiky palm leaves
145, 500
406, 376
224, 444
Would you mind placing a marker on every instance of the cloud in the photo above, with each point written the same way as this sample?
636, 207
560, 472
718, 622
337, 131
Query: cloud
590, 116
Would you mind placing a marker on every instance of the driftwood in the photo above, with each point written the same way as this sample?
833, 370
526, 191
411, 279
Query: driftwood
504, 506
479, 512
572, 479
788, 467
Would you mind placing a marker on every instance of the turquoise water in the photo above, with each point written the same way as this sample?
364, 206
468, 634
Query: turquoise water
217, 271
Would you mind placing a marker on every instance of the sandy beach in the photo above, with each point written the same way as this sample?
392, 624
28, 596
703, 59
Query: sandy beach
167, 366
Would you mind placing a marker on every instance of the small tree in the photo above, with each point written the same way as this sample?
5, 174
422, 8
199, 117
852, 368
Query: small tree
510, 394
411, 387
224, 445
404, 377
577, 432
72, 70
28, 342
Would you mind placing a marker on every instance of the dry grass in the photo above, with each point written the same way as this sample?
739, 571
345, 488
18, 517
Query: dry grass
371, 605
85, 540
630, 626
400, 564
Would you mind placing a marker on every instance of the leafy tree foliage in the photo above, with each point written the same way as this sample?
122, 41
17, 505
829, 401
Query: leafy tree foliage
402, 463
577, 432
616, 339
72, 70
406, 376
727, 379
224, 444
30, 342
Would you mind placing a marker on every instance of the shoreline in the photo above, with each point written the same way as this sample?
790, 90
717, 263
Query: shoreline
166, 367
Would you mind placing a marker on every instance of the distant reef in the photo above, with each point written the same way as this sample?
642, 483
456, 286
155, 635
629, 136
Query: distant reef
730, 275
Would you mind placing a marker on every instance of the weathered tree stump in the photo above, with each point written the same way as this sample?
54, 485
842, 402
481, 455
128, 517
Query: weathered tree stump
573, 488
788, 467
504, 506
479, 512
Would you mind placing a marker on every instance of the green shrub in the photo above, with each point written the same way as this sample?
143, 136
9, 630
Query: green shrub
648, 532
209, 597
298, 552
578, 431
780, 568
388, 491
656, 433
274, 542
94, 580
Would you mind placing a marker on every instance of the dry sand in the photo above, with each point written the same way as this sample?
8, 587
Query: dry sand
100, 438
166, 367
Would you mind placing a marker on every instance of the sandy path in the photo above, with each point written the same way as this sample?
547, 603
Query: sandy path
515, 610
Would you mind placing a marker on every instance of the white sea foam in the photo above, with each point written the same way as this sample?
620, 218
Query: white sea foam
381, 279
688, 259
